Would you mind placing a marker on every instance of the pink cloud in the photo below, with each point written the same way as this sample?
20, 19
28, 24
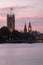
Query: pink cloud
17, 7
30, 15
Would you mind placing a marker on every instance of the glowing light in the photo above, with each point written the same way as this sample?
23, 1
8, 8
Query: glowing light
29, 29
10, 29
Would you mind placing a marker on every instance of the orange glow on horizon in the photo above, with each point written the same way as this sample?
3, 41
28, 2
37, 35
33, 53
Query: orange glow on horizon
2, 18
38, 15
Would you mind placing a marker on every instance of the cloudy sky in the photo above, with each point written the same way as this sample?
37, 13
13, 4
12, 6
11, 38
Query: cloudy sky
25, 11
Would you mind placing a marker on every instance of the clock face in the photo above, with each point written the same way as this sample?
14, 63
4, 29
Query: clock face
29, 28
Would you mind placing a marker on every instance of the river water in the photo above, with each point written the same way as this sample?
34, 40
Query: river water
21, 54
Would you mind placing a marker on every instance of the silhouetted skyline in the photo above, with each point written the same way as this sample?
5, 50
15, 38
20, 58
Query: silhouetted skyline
23, 10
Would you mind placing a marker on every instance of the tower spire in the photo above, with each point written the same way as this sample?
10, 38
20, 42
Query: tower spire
29, 26
25, 28
11, 21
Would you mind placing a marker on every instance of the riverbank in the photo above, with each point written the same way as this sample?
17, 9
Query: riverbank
22, 41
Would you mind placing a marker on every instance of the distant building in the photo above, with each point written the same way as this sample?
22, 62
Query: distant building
25, 28
29, 27
11, 22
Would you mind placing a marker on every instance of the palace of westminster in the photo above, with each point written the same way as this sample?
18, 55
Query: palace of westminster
11, 23
32, 36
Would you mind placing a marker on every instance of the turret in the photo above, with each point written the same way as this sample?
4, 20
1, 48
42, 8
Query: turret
25, 28
11, 22
29, 27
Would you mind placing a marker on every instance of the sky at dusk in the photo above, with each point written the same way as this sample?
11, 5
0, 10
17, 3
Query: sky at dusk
25, 11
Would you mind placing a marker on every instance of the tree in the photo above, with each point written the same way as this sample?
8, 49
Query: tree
4, 32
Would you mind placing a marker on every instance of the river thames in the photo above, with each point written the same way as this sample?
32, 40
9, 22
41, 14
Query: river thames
21, 54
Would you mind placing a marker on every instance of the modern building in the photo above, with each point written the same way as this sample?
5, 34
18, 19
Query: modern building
25, 28
29, 27
11, 22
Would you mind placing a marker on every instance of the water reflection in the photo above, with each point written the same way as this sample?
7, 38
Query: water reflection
21, 54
